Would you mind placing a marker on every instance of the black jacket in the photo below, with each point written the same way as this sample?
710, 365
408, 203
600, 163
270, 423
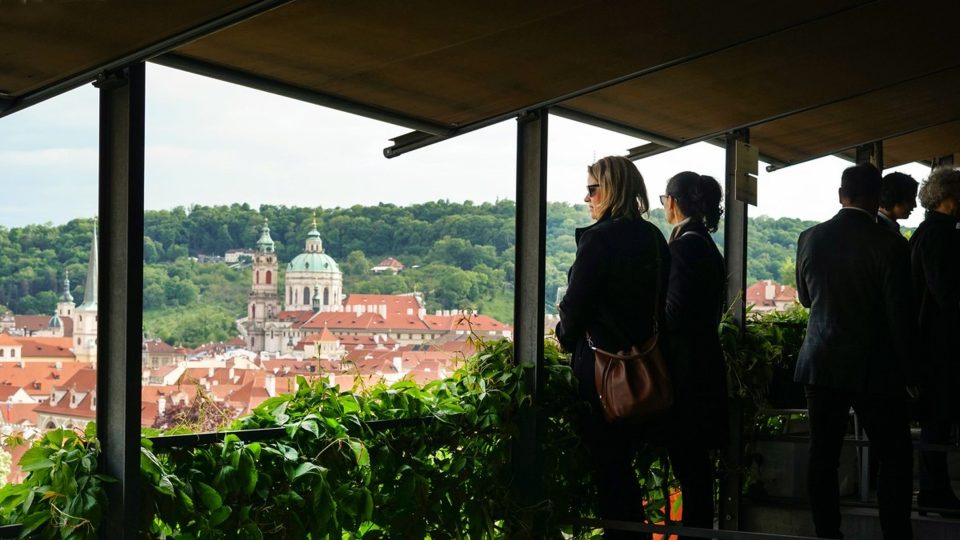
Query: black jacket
935, 254
611, 289
695, 298
855, 278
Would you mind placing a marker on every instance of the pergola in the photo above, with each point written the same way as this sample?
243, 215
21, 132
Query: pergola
869, 80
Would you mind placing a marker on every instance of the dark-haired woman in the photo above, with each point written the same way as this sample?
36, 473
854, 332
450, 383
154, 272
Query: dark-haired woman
615, 292
695, 296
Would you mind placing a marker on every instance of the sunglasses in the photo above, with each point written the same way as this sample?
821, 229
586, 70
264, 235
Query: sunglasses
663, 199
592, 189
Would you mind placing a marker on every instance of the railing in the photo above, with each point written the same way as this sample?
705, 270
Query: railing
190, 440
856, 442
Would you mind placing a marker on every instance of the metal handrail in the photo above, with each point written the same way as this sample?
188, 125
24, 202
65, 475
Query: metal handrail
192, 440
667, 530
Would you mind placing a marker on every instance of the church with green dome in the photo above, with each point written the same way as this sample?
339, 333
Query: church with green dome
312, 283
313, 279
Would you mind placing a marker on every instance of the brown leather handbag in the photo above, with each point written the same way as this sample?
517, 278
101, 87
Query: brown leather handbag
634, 385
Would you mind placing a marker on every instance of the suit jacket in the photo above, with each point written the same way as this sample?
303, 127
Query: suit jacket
935, 254
695, 298
887, 223
855, 278
611, 291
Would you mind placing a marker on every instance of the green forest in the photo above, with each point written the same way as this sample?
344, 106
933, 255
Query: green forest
458, 255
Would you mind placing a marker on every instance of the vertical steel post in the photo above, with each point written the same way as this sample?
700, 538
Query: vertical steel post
528, 312
944, 161
735, 232
871, 153
735, 255
120, 306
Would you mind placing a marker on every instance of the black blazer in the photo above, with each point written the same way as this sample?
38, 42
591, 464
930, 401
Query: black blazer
855, 278
695, 299
611, 289
935, 254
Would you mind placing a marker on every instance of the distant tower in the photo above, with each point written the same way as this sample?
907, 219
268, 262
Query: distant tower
263, 302
85, 321
66, 306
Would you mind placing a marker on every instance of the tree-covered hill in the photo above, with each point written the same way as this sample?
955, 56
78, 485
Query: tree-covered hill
459, 255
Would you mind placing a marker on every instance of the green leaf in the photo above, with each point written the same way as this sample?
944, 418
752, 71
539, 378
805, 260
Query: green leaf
33, 521
165, 486
359, 452
36, 458
186, 500
219, 515
311, 426
209, 496
304, 468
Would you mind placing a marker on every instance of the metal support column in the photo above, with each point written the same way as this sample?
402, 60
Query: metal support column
944, 161
735, 255
528, 312
120, 306
871, 153
735, 233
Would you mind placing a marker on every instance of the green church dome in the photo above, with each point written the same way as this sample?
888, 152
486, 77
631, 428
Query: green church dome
313, 262
55, 321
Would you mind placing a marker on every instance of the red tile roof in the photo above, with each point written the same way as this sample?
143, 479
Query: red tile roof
46, 347
32, 323
479, 324
37, 378
344, 320
155, 346
390, 262
19, 413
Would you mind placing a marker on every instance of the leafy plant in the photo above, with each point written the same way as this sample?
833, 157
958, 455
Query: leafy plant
63, 495
335, 474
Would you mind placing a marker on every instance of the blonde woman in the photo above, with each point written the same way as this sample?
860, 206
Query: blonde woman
615, 297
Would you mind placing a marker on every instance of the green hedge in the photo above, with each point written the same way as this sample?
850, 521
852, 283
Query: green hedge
333, 477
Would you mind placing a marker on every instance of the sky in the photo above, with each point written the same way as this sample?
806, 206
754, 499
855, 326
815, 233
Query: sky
210, 142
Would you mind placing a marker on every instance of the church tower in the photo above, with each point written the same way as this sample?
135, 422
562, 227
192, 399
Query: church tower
66, 306
85, 315
263, 302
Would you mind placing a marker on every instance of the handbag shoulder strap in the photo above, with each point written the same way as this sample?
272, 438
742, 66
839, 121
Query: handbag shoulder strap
657, 277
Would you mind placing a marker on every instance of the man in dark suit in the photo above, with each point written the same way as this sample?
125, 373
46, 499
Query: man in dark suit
855, 278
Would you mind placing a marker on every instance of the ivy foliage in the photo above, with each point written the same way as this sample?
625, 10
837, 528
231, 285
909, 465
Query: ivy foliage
335, 474
63, 496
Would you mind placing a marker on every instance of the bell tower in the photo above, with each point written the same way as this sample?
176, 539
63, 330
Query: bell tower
263, 301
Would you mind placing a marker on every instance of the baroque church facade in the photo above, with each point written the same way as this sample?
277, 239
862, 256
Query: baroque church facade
313, 283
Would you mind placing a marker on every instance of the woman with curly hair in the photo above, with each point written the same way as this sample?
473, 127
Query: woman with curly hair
935, 258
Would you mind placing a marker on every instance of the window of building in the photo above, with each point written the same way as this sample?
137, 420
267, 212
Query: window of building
269, 277
306, 295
